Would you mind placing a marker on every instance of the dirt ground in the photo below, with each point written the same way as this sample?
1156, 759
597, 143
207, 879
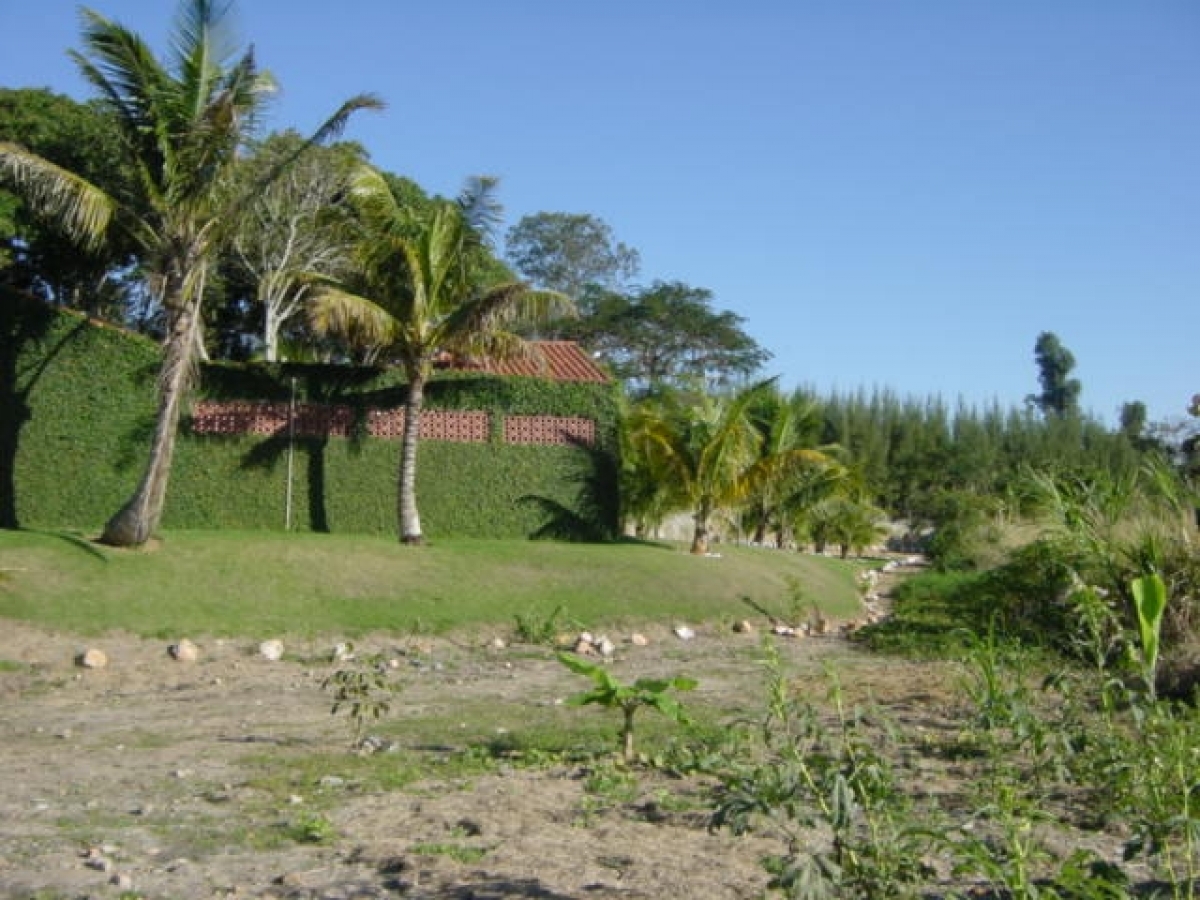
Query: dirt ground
144, 778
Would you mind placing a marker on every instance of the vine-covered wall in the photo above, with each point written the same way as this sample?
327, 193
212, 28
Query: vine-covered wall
77, 404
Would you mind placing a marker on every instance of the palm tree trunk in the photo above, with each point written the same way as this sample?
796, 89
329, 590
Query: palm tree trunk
136, 521
410, 518
700, 533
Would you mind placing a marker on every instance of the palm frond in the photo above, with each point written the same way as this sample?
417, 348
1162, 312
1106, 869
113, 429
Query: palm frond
356, 320
77, 206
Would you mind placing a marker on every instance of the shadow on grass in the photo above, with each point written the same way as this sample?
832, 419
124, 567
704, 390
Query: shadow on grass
86, 545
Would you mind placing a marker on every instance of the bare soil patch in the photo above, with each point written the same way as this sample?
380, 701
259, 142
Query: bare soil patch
145, 776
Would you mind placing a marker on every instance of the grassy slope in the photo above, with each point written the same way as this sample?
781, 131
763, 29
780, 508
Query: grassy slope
248, 583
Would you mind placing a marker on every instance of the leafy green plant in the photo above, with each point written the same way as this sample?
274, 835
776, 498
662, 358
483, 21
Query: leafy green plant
1150, 602
804, 776
628, 698
361, 689
533, 628
312, 828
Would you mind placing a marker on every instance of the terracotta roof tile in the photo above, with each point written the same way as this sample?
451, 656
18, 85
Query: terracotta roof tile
563, 361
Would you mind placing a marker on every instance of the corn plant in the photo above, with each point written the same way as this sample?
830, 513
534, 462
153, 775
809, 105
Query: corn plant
1150, 602
628, 698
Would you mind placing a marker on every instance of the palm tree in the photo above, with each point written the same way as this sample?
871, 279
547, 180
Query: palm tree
789, 428
183, 125
706, 448
422, 295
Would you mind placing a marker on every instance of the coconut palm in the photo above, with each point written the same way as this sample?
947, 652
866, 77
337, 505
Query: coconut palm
706, 448
790, 427
421, 296
183, 124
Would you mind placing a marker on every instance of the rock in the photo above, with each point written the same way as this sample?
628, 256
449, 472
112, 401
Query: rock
783, 630
683, 632
584, 647
343, 652
184, 651
498, 643
606, 647
743, 627
271, 650
638, 639
122, 881
92, 658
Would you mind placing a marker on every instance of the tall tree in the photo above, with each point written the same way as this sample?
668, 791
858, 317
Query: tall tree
183, 123
1060, 393
569, 252
37, 258
420, 296
293, 231
668, 335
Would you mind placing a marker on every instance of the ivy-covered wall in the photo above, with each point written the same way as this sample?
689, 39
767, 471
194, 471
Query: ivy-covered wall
77, 404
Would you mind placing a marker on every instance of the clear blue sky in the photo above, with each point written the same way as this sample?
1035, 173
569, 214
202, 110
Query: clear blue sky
892, 194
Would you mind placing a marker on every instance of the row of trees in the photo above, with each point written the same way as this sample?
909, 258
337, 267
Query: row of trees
155, 205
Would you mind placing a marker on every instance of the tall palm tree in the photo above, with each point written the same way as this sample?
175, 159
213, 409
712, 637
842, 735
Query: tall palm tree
183, 124
422, 296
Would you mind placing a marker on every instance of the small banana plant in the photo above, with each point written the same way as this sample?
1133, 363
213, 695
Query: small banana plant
628, 698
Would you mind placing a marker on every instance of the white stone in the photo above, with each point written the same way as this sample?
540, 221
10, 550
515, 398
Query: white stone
92, 658
272, 650
184, 651
638, 639
684, 633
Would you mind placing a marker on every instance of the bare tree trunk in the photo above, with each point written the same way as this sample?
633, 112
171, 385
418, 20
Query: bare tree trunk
136, 521
410, 518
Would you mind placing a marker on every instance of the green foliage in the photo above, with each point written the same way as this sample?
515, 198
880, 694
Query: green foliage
533, 628
802, 775
1150, 602
89, 392
627, 698
362, 689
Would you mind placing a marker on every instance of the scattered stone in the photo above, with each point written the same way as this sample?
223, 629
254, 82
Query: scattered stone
584, 647
606, 647
184, 651
271, 650
638, 639
498, 643
743, 627
122, 881
343, 652
92, 658
784, 630
684, 633
330, 781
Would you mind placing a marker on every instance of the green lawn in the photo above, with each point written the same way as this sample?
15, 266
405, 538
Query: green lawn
234, 583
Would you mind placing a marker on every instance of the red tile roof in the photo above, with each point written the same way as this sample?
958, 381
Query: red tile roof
560, 361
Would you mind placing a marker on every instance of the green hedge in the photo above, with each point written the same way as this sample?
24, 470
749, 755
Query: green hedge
90, 395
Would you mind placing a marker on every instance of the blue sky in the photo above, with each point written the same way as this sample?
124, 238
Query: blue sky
892, 195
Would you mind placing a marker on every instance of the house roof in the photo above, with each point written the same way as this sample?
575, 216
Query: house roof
560, 361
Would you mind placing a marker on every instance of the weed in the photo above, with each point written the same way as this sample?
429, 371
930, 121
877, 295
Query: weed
805, 776
312, 828
532, 628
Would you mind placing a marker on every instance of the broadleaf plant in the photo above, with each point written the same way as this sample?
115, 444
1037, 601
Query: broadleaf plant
628, 698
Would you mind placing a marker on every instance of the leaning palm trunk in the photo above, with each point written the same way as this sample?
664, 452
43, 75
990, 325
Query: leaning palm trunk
409, 517
136, 521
